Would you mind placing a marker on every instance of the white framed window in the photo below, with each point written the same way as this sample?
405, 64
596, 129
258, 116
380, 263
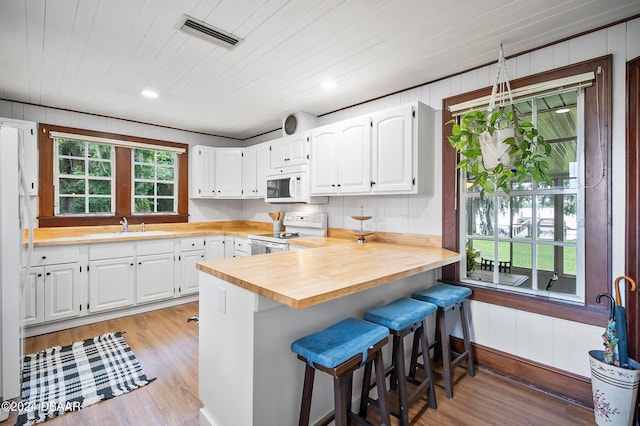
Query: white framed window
84, 178
154, 182
532, 240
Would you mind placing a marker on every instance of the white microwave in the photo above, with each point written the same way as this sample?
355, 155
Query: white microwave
291, 186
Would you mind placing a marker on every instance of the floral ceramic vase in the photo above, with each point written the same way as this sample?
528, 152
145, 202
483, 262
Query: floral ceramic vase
614, 390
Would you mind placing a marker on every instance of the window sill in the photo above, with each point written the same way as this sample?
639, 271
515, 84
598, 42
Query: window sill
536, 304
58, 221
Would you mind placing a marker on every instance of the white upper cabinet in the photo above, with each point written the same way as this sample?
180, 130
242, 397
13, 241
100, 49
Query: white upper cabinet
228, 172
401, 141
341, 158
354, 156
263, 164
290, 151
202, 172
324, 160
255, 167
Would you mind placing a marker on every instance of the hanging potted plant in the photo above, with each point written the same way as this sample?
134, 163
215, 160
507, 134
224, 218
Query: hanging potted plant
495, 148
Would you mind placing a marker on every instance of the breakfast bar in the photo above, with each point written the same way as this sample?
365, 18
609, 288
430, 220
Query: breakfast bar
252, 308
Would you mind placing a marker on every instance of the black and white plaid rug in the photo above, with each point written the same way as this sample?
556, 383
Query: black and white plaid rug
67, 378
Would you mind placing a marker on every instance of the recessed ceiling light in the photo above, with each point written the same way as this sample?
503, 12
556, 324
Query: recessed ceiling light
149, 93
328, 84
563, 110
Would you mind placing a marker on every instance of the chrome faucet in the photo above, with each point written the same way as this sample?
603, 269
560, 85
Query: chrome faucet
125, 224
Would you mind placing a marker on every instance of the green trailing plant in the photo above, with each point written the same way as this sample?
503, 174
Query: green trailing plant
527, 149
473, 257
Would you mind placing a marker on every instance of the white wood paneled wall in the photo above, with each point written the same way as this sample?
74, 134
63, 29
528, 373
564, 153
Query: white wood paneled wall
558, 343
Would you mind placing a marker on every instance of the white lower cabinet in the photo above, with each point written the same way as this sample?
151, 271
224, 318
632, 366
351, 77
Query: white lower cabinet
155, 277
73, 281
241, 247
191, 252
214, 248
111, 283
189, 273
61, 285
53, 291
229, 248
33, 297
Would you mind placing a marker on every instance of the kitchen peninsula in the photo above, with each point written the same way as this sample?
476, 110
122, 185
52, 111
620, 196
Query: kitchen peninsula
252, 308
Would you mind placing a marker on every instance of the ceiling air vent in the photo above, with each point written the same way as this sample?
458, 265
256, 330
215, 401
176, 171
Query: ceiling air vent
199, 29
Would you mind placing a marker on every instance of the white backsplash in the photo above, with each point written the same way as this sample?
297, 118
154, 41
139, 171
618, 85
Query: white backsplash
413, 214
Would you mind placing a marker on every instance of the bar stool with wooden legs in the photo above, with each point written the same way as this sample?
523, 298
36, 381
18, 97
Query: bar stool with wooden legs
448, 298
339, 350
402, 317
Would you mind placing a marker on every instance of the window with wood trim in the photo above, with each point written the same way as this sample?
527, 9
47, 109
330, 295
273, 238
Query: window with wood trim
534, 231
84, 181
597, 207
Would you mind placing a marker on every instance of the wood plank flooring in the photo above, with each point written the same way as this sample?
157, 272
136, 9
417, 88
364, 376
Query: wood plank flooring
167, 348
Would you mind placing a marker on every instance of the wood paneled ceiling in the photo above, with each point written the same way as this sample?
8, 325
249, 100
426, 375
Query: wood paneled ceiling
97, 55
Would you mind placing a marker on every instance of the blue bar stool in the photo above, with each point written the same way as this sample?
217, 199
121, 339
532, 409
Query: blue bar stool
339, 351
402, 317
447, 298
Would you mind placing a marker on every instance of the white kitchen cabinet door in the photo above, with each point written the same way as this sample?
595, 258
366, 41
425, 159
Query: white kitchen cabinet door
341, 158
229, 247
290, 151
324, 160
214, 248
111, 284
188, 271
155, 277
33, 297
354, 156
61, 286
202, 172
249, 172
228, 172
393, 150
262, 168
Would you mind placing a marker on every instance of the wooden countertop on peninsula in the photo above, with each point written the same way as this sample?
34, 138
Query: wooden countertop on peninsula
304, 278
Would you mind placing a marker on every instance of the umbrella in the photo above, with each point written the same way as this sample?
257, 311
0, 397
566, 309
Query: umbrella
621, 322
609, 337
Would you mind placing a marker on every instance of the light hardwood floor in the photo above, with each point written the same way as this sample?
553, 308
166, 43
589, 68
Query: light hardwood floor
167, 348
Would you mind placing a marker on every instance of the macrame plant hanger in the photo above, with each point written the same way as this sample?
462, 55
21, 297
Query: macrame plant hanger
494, 150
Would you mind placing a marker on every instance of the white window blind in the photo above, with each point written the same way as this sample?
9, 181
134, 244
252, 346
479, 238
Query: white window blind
534, 90
115, 142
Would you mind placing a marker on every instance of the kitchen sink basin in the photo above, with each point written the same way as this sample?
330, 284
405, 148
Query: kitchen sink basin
121, 234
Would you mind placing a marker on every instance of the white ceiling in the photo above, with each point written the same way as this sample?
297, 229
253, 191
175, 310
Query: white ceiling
96, 55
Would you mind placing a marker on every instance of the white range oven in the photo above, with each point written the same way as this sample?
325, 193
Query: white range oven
297, 224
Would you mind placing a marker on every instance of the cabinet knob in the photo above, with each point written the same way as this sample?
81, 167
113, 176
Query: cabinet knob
139, 263
44, 257
48, 273
131, 263
372, 183
39, 275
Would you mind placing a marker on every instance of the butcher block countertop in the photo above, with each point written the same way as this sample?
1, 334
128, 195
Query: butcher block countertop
304, 278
